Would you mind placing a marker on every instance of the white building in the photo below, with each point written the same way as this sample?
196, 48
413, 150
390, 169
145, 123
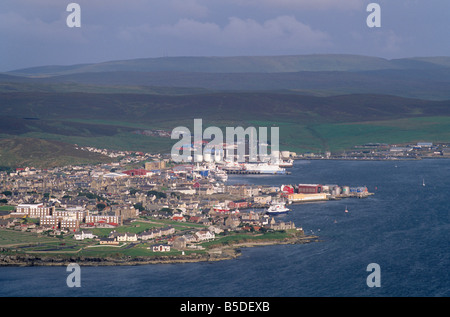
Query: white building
81, 235
34, 210
124, 237
161, 248
204, 235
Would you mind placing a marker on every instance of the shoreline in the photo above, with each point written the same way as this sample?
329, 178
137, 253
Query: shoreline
221, 253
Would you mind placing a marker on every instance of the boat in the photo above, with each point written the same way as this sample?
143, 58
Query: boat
423, 182
221, 176
264, 168
286, 163
277, 208
346, 210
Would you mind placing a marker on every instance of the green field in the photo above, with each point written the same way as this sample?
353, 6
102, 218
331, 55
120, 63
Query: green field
337, 137
11, 238
116, 121
247, 237
296, 137
42, 244
7, 208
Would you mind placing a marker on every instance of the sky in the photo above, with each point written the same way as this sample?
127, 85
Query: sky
35, 32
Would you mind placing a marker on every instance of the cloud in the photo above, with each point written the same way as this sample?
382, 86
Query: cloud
283, 33
189, 8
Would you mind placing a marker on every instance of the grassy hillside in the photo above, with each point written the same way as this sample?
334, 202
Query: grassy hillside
42, 110
20, 152
431, 84
307, 123
320, 102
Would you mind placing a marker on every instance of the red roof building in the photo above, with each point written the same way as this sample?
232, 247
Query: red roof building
136, 172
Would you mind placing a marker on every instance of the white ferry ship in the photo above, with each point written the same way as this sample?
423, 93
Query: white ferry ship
264, 168
277, 208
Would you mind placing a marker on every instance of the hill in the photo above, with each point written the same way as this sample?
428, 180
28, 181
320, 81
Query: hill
41, 110
320, 102
307, 123
317, 75
244, 64
21, 152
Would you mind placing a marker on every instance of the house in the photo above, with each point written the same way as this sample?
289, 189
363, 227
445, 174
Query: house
250, 216
232, 222
264, 199
123, 237
109, 241
5, 214
189, 238
281, 225
167, 231
138, 172
83, 234
204, 235
161, 248
250, 191
238, 204
6, 223
185, 190
179, 243
206, 190
195, 219
178, 217
215, 230
147, 235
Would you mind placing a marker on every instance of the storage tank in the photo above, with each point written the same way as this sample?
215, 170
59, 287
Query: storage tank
336, 191
275, 155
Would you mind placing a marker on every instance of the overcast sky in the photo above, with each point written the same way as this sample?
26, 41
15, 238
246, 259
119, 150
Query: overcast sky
35, 33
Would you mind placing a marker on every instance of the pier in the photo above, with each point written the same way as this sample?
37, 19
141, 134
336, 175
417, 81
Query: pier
245, 172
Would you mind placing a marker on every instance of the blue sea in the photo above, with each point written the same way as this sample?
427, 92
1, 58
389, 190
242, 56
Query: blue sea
404, 228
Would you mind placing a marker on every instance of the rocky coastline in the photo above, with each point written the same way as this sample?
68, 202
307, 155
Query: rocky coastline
220, 253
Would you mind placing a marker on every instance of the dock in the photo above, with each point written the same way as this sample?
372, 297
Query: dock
245, 172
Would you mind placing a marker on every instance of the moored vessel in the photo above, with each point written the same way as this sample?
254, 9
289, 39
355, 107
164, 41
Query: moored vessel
277, 208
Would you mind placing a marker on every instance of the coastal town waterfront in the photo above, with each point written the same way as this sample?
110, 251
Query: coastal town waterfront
163, 212
403, 227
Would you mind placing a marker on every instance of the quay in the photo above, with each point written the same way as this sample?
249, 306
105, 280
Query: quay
231, 171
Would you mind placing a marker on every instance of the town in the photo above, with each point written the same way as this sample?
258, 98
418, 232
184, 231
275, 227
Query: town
157, 206
169, 206
160, 207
